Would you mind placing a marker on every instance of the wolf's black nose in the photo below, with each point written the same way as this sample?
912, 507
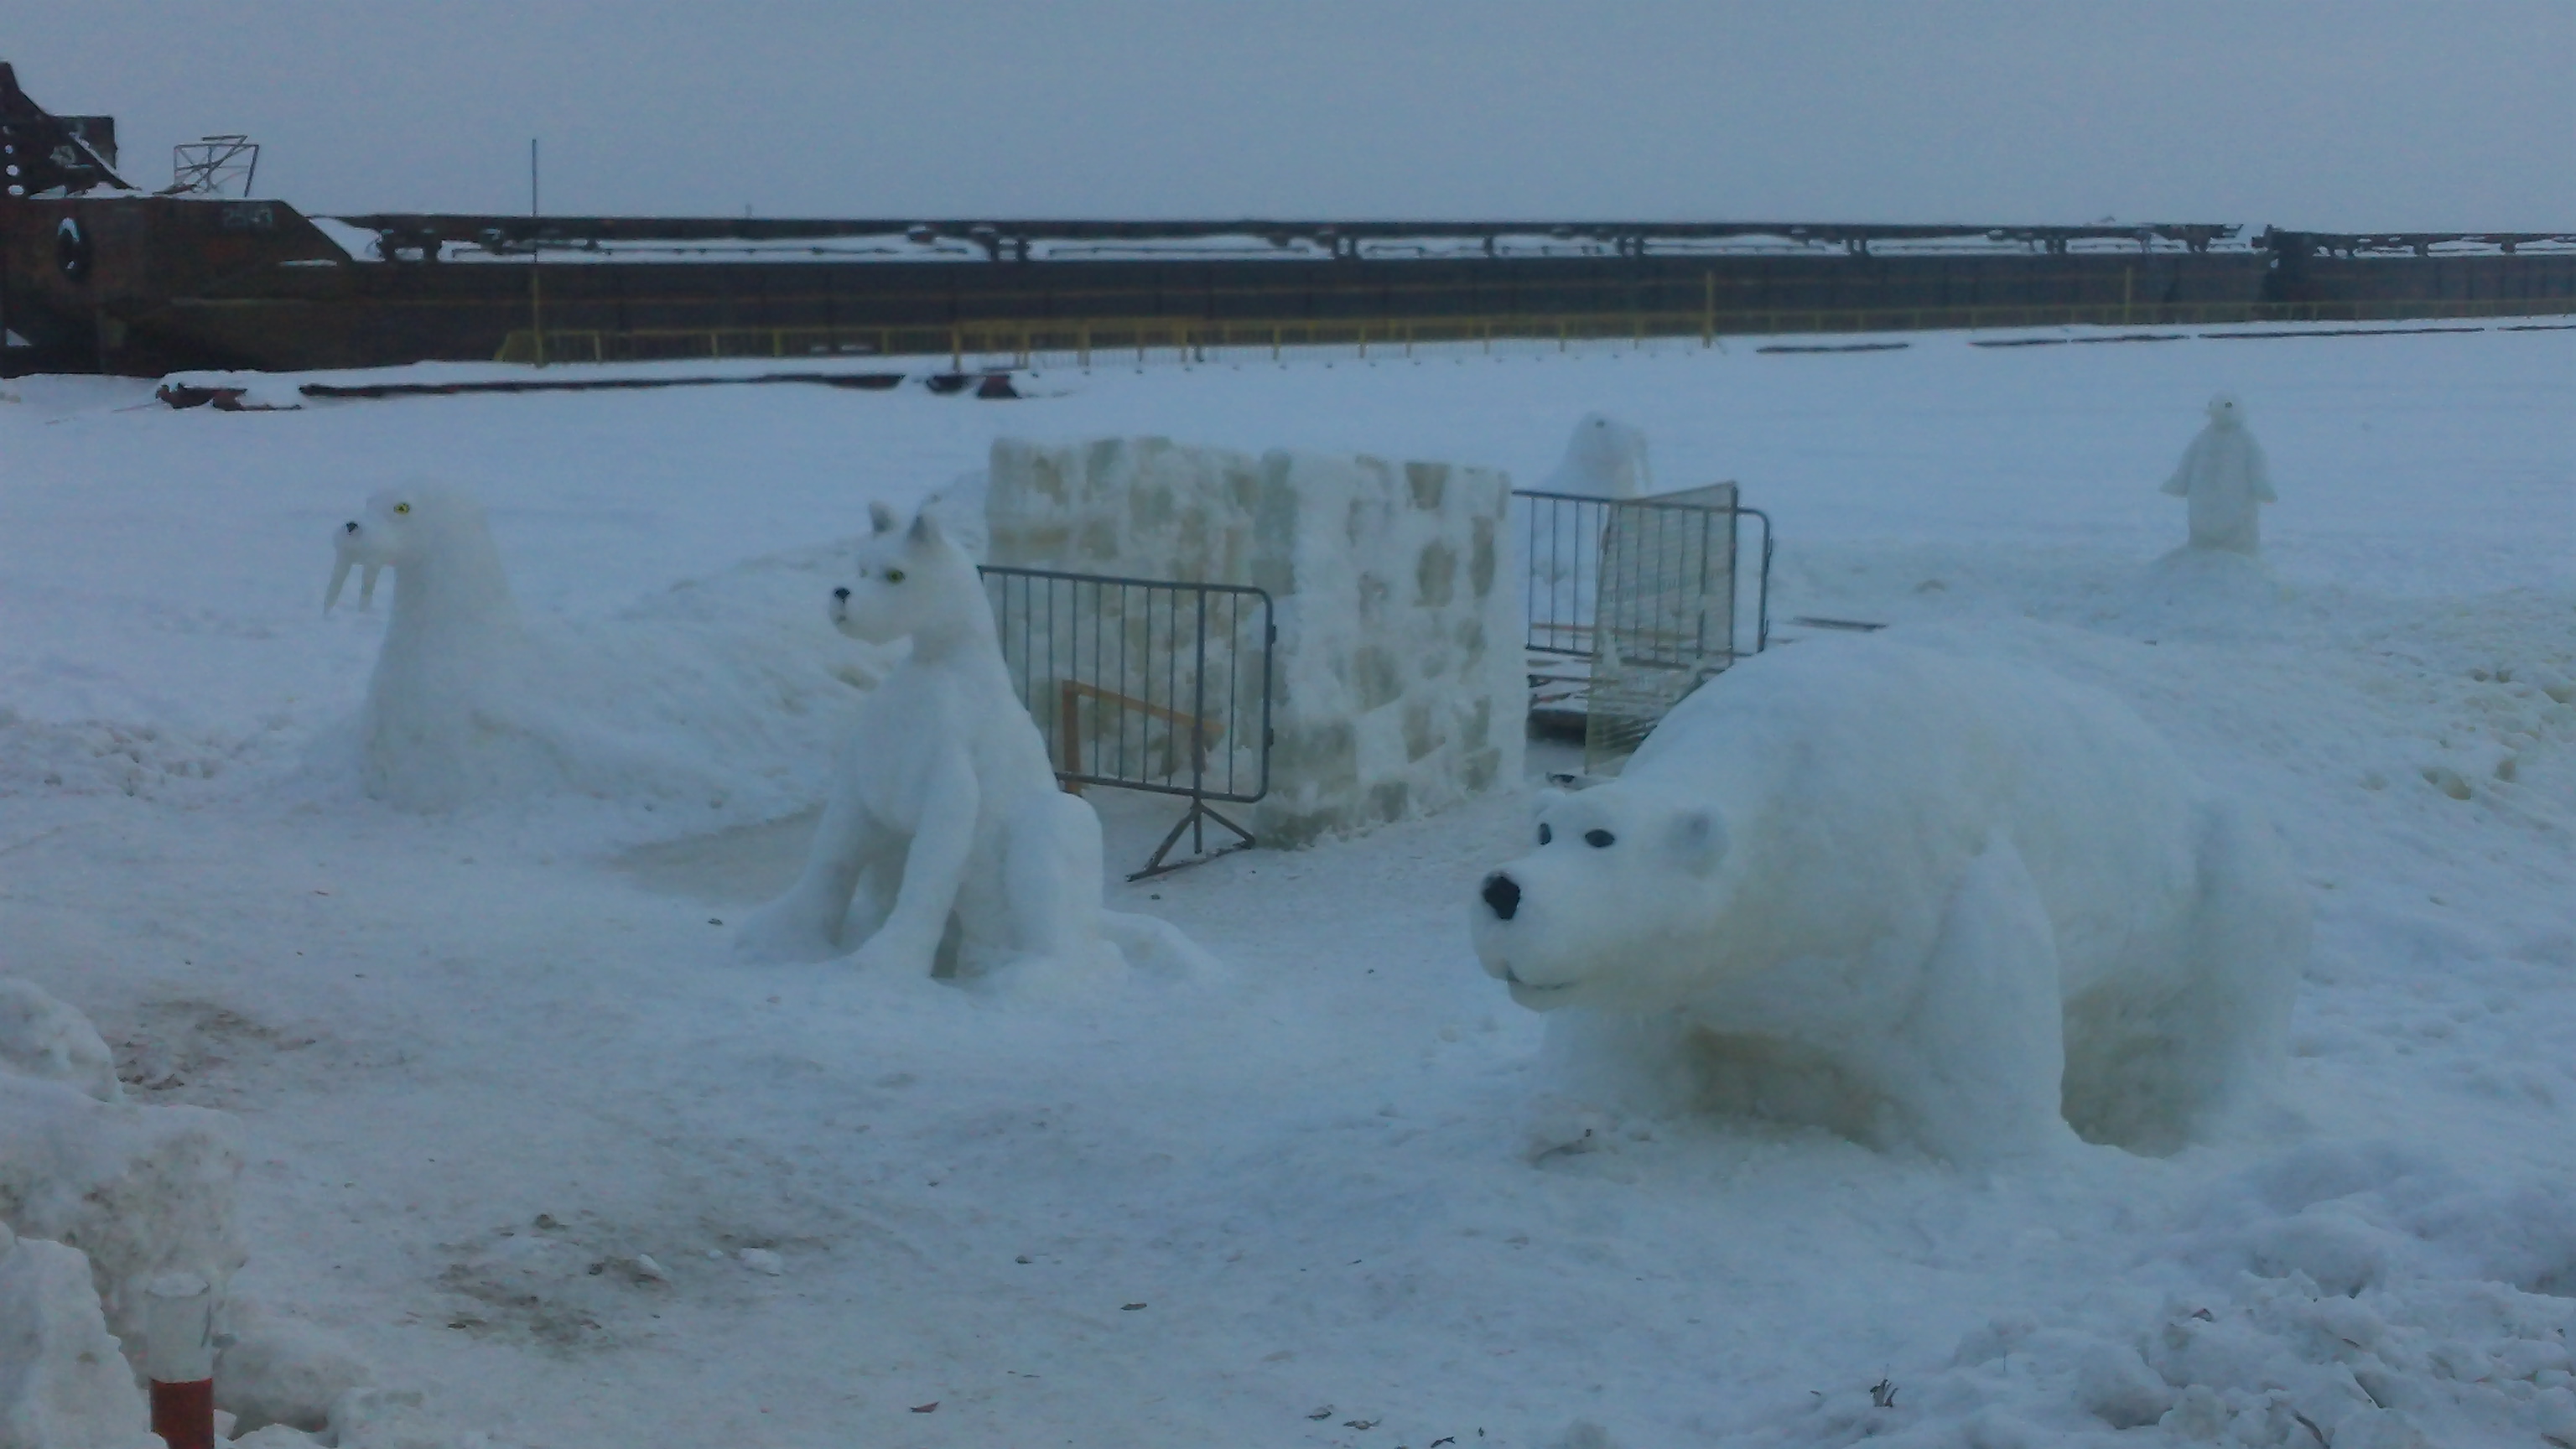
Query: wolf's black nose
349, 527
1502, 895
841, 594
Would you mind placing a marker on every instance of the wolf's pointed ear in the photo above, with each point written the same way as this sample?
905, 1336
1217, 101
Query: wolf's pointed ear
881, 517
925, 529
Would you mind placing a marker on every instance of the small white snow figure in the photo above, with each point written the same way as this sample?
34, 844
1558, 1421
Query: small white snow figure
1605, 458
454, 638
946, 846
2223, 476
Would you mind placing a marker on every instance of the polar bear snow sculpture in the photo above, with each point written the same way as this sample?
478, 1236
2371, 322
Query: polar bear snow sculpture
2224, 479
1910, 897
946, 847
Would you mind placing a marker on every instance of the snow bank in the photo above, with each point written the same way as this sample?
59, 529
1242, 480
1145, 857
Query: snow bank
2343, 1294
47, 1041
122, 1194
106, 757
126, 1194
281, 1370
63, 1384
142, 1190
1397, 666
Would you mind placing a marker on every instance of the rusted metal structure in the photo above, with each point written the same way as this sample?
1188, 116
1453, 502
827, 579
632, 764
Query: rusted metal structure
95, 276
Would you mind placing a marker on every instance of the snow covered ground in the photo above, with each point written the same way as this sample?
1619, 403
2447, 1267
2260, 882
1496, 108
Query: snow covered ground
487, 1060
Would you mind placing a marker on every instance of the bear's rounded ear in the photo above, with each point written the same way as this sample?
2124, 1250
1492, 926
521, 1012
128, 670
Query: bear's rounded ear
1699, 838
881, 517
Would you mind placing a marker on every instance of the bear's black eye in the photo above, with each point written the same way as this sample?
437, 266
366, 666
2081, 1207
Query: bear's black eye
1599, 839
1545, 835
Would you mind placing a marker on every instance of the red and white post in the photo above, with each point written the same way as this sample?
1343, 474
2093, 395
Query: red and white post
179, 1359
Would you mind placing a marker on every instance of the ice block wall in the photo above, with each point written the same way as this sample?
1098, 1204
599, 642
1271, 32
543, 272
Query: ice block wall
1398, 669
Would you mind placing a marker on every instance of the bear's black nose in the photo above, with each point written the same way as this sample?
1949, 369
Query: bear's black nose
1502, 895
841, 594
349, 527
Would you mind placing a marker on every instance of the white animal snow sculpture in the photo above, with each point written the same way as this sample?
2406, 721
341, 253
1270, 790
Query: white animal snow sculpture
946, 846
431, 738
467, 704
1910, 897
2223, 477
1604, 458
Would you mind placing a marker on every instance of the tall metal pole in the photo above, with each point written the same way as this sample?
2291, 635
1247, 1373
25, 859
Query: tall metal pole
536, 256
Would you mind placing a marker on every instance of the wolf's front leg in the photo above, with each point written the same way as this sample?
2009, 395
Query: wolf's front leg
805, 923
942, 838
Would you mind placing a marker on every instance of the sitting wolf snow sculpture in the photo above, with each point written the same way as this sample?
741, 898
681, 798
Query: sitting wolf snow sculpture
946, 846
1908, 896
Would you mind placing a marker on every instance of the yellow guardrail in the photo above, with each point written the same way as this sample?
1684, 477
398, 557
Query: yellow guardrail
1081, 342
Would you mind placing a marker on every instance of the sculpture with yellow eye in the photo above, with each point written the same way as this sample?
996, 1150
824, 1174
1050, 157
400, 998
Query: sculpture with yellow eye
945, 847
472, 703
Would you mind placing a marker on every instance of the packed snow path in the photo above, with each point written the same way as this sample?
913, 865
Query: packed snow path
479, 1056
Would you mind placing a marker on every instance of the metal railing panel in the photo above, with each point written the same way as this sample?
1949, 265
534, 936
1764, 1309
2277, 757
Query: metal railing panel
1144, 684
1644, 592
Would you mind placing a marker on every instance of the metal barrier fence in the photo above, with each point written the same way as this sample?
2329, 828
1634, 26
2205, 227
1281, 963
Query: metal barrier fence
1083, 342
1640, 596
1145, 684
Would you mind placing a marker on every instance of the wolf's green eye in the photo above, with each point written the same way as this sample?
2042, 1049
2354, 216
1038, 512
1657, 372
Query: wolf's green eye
402, 508
894, 576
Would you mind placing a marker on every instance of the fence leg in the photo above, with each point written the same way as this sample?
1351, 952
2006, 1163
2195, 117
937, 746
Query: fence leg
1198, 731
1068, 728
1196, 816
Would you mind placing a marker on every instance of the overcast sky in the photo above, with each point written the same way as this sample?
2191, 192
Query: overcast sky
2348, 115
